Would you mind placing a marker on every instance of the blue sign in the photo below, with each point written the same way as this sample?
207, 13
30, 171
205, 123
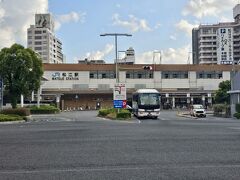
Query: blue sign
119, 103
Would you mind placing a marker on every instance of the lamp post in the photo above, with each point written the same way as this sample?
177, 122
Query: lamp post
116, 51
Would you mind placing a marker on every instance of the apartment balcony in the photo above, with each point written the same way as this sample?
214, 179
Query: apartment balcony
207, 40
208, 35
207, 51
209, 45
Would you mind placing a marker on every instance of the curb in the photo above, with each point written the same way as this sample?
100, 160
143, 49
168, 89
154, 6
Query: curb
186, 116
12, 122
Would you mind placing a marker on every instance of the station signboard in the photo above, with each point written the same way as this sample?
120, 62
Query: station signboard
119, 95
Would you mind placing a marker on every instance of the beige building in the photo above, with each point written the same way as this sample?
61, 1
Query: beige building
41, 38
76, 86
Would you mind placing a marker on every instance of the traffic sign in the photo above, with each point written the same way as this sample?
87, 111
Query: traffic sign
119, 91
120, 103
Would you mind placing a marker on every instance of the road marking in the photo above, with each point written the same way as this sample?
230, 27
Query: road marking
235, 128
116, 168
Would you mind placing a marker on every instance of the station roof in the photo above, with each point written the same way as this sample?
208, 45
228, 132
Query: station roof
126, 67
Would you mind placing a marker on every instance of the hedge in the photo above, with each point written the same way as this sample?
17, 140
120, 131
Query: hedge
105, 112
222, 110
124, 114
17, 111
113, 113
237, 115
4, 118
238, 108
44, 109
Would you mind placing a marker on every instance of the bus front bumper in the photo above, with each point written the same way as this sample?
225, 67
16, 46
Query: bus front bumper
148, 114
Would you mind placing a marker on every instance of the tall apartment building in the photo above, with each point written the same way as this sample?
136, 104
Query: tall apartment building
41, 38
217, 43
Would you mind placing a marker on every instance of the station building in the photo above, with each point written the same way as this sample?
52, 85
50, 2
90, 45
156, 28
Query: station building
84, 86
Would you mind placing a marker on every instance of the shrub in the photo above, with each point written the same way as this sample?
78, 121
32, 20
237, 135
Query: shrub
222, 110
237, 115
18, 111
44, 109
124, 114
4, 118
238, 108
105, 112
113, 113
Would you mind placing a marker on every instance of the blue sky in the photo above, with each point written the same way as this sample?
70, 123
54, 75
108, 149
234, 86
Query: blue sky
161, 25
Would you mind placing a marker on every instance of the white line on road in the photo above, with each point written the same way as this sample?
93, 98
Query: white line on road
116, 168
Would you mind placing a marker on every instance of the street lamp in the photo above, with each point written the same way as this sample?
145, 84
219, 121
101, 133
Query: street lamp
116, 51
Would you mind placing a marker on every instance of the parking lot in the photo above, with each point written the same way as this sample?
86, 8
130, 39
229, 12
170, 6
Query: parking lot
79, 145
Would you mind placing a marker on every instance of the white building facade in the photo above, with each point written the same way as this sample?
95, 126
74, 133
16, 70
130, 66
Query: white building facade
84, 85
217, 43
41, 38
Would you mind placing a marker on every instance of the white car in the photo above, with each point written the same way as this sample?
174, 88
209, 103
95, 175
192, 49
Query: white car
198, 110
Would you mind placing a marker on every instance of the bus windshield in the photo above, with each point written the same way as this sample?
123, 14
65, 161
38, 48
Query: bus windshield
149, 99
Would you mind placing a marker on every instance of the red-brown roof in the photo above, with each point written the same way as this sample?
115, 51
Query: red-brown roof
162, 67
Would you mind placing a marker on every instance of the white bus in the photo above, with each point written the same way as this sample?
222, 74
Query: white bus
146, 103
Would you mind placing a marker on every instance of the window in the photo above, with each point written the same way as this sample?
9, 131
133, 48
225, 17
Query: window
38, 37
29, 37
139, 75
175, 75
209, 75
220, 76
185, 75
76, 74
166, 76
38, 48
38, 43
38, 32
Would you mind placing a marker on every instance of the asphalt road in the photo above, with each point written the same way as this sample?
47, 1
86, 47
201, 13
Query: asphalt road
79, 145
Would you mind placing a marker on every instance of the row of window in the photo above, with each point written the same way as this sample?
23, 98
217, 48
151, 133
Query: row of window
174, 75
37, 32
149, 75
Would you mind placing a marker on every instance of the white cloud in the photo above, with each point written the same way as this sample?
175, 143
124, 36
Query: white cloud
15, 17
185, 26
158, 25
118, 5
169, 56
99, 55
173, 37
202, 8
134, 24
66, 18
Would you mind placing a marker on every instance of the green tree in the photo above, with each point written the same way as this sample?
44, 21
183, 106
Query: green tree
221, 95
21, 70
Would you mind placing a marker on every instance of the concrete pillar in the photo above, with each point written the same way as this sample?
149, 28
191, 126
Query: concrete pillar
203, 100
32, 95
191, 100
188, 100
58, 100
173, 102
38, 98
210, 100
22, 100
